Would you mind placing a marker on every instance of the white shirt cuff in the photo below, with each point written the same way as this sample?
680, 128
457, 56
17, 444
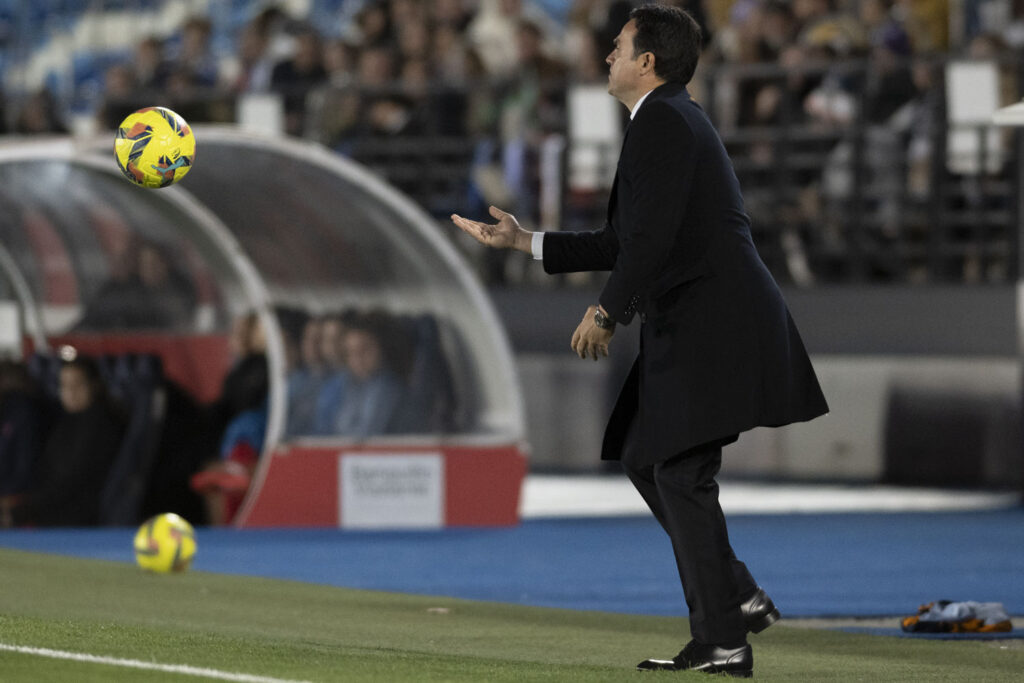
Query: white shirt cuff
537, 246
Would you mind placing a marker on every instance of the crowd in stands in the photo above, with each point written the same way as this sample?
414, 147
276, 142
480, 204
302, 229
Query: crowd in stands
408, 62
496, 74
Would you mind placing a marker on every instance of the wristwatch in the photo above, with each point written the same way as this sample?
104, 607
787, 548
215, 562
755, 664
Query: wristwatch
603, 321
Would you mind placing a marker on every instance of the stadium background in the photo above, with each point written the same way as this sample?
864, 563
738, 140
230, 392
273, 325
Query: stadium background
889, 214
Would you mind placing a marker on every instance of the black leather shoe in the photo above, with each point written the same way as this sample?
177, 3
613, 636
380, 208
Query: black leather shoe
759, 611
710, 659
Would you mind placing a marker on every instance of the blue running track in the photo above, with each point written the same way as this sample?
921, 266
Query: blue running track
811, 564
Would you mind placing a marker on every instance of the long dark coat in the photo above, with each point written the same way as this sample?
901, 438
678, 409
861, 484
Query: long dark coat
719, 353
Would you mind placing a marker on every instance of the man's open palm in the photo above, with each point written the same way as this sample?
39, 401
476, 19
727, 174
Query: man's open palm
505, 234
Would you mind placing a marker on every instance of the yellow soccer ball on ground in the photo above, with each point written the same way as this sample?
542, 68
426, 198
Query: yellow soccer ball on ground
165, 543
154, 147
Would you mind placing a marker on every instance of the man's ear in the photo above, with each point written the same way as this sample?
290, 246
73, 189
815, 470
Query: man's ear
647, 61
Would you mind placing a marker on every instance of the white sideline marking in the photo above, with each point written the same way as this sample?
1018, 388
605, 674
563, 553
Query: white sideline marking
138, 664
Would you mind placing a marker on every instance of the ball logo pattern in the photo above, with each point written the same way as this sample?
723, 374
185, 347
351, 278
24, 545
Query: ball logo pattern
165, 543
154, 147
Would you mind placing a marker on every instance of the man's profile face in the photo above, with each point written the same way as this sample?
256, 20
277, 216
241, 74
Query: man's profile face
622, 71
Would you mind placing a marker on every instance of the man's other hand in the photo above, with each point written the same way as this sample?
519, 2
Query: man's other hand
589, 340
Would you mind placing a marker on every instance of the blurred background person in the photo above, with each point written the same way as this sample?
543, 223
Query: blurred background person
143, 291
373, 392
295, 77
306, 381
192, 58
251, 68
241, 413
332, 336
76, 457
23, 421
245, 385
40, 115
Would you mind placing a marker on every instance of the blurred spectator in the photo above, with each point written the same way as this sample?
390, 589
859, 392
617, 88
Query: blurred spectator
23, 418
334, 108
246, 383
823, 24
404, 13
251, 70
292, 323
120, 92
332, 335
76, 457
373, 392
413, 40
373, 24
193, 61
890, 84
449, 13
531, 106
243, 411
150, 68
39, 115
493, 32
375, 68
928, 23
584, 60
1013, 30
391, 115
777, 31
144, 291
295, 77
340, 63
171, 293
534, 101
450, 56
306, 381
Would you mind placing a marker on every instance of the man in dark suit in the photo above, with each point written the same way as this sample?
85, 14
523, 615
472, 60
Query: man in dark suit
719, 353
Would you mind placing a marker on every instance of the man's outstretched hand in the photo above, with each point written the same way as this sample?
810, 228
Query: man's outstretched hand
505, 234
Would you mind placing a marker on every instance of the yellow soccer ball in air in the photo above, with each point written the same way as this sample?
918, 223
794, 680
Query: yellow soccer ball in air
165, 543
154, 147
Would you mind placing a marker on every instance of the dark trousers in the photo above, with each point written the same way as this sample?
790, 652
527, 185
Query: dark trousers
683, 495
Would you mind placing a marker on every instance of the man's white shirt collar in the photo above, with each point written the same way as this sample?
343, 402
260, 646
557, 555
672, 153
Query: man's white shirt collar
636, 107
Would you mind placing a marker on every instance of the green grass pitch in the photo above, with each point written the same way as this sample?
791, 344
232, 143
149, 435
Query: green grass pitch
298, 631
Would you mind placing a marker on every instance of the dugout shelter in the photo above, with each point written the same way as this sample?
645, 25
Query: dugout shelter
268, 225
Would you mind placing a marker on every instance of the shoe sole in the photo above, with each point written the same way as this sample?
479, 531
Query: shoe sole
747, 673
764, 622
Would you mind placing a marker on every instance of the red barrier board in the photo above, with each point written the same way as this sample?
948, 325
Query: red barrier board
305, 485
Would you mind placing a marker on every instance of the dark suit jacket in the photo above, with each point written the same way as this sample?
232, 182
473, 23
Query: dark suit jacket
719, 353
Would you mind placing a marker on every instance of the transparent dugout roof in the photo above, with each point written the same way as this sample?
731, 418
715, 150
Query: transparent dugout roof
258, 223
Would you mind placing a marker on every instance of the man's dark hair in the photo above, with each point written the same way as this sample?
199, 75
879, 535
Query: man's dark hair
672, 35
